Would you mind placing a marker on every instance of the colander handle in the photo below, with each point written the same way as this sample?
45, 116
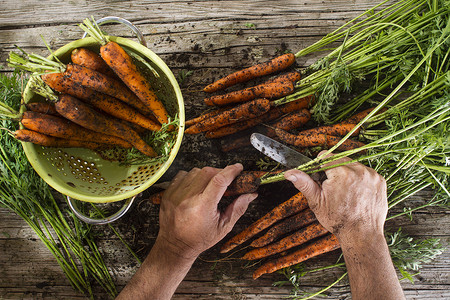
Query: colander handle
111, 19
103, 221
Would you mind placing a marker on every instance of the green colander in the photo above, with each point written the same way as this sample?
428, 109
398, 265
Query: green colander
83, 174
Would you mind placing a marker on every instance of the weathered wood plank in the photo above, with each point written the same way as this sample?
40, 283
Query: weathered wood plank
210, 38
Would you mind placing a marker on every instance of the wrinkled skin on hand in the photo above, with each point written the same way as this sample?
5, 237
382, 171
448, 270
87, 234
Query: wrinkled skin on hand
190, 221
352, 200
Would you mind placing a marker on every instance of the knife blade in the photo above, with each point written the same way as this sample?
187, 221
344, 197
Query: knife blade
282, 153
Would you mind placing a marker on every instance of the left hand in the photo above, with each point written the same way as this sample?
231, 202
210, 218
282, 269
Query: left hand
190, 221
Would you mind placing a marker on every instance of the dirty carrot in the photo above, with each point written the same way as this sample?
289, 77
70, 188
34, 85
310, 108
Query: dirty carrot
274, 113
293, 120
106, 103
277, 64
317, 139
101, 83
291, 76
340, 129
63, 128
80, 113
290, 224
203, 116
91, 60
156, 198
42, 107
125, 68
295, 204
270, 90
298, 238
37, 138
235, 114
321, 246
244, 183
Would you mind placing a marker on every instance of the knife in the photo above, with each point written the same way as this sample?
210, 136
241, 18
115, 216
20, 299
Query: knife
282, 154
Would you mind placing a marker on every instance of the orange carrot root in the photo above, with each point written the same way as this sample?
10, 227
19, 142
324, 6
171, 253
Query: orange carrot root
78, 112
37, 138
323, 245
316, 139
277, 64
42, 107
90, 59
123, 65
272, 114
238, 113
271, 90
295, 204
62, 128
298, 238
244, 183
290, 224
106, 103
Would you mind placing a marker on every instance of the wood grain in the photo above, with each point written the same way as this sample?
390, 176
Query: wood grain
210, 38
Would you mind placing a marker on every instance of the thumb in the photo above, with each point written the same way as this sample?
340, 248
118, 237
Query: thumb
305, 184
235, 210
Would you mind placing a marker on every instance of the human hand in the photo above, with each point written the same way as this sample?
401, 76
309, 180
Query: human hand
190, 221
351, 202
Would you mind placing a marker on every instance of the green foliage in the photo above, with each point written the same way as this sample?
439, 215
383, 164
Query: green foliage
409, 254
404, 51
183, 75
23, 192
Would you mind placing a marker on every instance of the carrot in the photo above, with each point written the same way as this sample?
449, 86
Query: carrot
235, 114
295, 222
42, 107
318, 139
203, 116
298, 238
37, 138
80, 113
295, 204
291, 76
339, 129
277, 64
292, 120
108, 104
270, 90
122, 64
156, 198
321, 246
102, 83
91, 60
244, 183
63, 128
272, 114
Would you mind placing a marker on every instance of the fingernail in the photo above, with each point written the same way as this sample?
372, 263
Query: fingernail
292, 178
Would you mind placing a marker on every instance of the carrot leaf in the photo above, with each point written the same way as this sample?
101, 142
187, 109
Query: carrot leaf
93, 30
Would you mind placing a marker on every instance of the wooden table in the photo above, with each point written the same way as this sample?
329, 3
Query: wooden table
210, 38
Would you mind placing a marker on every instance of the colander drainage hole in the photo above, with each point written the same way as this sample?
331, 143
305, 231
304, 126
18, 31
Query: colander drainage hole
71, 184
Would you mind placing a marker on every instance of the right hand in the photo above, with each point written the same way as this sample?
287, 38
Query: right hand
190, 221
351, 202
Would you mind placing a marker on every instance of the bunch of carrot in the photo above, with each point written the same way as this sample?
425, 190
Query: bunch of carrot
98, 100
242, 109
236, 111
289, 226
